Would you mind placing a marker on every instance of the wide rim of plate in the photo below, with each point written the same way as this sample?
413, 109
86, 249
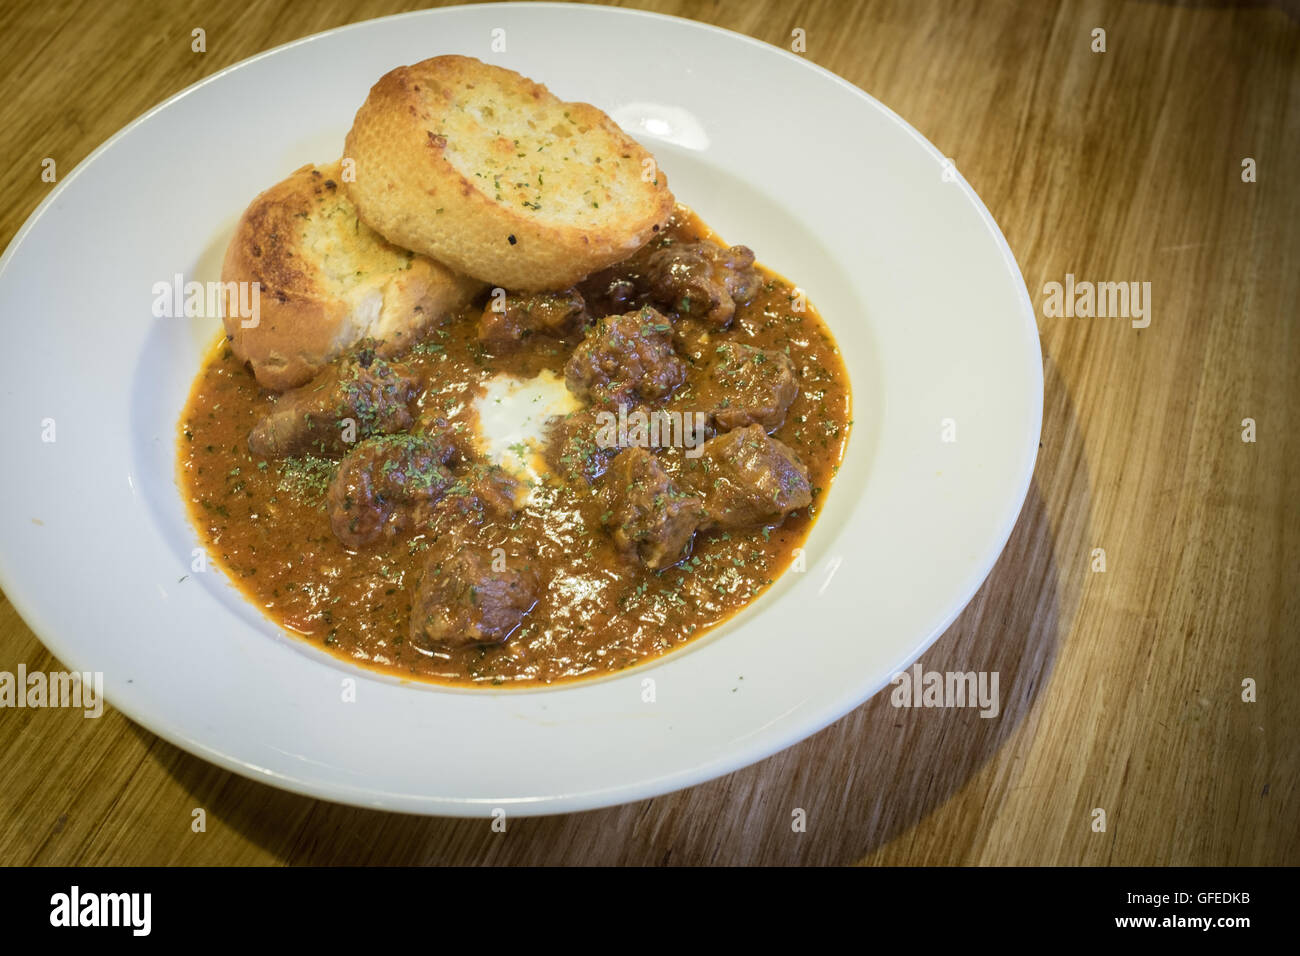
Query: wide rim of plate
758, 745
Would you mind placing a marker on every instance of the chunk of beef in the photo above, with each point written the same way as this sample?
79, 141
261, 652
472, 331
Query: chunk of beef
623, 287
625, 358
747, 478
744, 385
581, 444
649, 518
457, 436
386, 486
703, 280
507, 322
577, 447
374, 393
693, 339
461, 600
482, 492
613, 291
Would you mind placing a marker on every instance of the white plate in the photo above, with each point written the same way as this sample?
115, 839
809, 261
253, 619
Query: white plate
828, 186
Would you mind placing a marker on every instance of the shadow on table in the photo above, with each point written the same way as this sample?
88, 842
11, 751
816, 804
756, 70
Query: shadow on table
1290, 8
862, 782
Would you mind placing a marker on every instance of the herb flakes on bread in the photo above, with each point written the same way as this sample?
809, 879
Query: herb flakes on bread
488, 172
326, 281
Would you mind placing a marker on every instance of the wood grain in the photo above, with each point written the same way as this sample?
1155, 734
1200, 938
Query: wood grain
1121, 690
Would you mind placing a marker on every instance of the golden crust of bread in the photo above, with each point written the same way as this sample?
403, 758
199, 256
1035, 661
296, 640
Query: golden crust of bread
488, 172
326, 281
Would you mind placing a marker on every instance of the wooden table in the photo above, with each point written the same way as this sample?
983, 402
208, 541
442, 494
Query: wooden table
1121, 690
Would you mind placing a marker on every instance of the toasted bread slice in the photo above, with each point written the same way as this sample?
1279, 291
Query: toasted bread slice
488, 172
326, 281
